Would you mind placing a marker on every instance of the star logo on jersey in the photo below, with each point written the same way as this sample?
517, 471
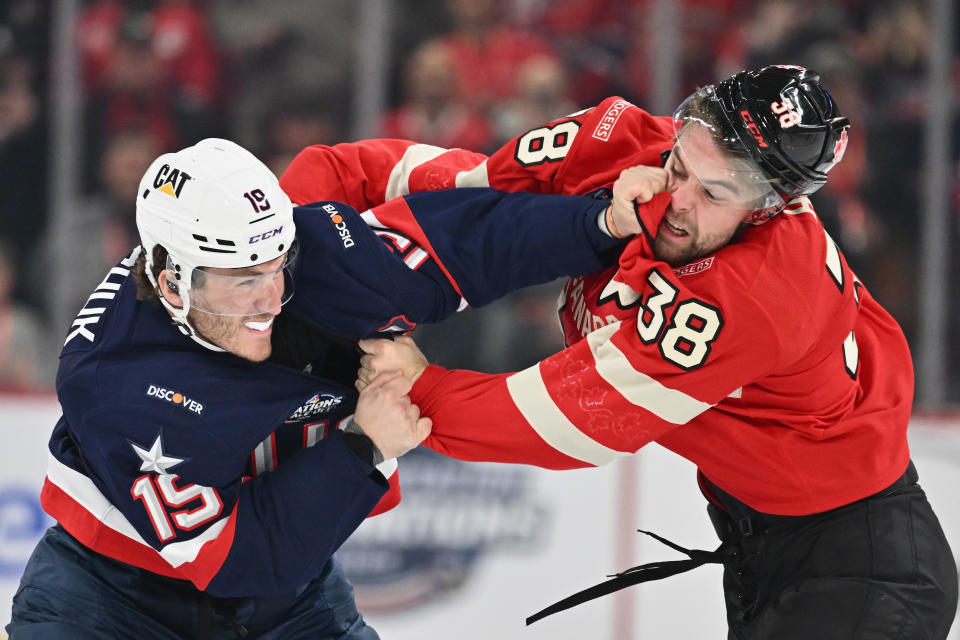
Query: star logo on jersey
153, 458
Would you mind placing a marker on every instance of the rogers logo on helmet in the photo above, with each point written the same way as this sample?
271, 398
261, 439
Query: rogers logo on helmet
341, 226
752, 128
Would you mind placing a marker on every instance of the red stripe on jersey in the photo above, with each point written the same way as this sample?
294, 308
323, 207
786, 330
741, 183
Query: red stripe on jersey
94, 534
212, 555
397, 215
97, 536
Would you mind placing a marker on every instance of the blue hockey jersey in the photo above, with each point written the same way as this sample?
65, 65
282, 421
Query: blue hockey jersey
234, 475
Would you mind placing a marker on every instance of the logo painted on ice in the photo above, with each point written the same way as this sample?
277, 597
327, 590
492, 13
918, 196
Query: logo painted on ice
320, 403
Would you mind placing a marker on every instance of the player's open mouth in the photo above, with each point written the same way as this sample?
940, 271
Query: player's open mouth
674, 228
259, 327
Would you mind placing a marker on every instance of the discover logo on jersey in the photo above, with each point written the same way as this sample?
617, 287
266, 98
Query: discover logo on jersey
175, 397
340, 224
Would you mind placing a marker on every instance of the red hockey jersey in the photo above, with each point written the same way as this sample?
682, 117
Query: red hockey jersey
767, 363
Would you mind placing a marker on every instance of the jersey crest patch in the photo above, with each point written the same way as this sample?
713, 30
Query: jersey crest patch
319, 404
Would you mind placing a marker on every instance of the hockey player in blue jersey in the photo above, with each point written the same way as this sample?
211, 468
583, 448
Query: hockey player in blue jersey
212, 454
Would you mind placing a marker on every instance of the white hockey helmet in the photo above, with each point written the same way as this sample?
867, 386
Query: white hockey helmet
214, 205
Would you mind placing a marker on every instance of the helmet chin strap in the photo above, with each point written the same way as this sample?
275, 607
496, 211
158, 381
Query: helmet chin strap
182, 323
179, 315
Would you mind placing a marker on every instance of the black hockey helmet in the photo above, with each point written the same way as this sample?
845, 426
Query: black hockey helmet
781, 117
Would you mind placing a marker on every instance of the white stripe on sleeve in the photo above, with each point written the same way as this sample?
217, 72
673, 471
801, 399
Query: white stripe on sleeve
398, 184
533, 400
476, 177
640, 389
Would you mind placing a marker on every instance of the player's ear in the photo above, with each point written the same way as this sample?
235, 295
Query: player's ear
169, 288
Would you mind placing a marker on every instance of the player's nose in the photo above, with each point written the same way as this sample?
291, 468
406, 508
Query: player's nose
680, 195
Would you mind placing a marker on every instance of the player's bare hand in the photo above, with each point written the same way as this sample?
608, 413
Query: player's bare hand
382, 356
386, 415
640, 183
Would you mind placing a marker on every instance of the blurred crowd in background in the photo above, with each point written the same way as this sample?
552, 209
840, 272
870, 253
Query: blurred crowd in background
276, 76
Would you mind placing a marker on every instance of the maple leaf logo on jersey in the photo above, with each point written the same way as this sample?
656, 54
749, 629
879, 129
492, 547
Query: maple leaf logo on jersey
318, 404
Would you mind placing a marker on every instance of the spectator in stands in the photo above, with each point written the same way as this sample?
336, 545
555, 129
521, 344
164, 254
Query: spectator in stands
103, 228
300, 50
24, 348
151, 65
23, 168
590, 36
432, 112
179, 40
485, 52
300, 119
542, 92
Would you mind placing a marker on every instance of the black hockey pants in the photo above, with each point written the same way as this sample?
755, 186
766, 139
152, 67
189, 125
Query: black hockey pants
879, 568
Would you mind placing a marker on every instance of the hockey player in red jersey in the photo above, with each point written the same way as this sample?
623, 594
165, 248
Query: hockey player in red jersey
732, 332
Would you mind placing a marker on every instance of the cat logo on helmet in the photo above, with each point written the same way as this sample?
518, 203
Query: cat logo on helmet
170, 181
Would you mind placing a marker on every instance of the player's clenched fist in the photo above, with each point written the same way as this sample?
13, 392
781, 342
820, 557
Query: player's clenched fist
637, 184
383, 356
386, 415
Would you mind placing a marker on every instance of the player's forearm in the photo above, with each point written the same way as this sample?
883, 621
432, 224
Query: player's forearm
290, 521
356, 173
475, 419
368, 173
491, 243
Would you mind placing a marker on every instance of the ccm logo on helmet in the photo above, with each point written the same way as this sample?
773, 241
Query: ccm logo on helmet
170, 181
752, 127
341, 226
173, 397
265, 235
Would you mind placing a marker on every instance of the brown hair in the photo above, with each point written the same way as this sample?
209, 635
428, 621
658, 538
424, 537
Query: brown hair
701, 106
145, 289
